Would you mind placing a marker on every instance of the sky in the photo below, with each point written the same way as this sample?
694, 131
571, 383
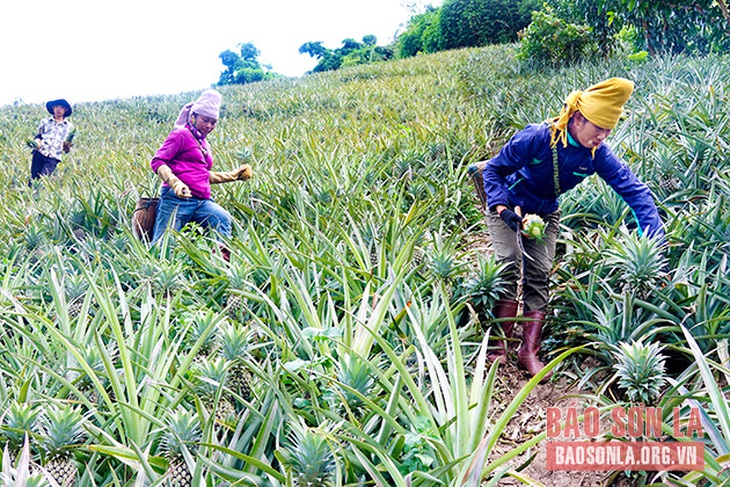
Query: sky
92, 50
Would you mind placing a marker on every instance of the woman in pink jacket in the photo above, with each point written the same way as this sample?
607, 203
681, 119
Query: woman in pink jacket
184, 163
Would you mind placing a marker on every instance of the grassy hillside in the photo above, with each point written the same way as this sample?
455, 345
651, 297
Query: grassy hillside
345, 340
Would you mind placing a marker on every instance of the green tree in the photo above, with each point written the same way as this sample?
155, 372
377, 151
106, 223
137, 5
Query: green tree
469, 23
244, 67
696, 26
314, 49
422, 34
550, 40
351, 53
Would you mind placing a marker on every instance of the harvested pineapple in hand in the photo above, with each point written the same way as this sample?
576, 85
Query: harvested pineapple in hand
533, 227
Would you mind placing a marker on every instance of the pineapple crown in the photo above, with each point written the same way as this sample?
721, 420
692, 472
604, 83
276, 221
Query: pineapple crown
182, 430
76, 286
63, 429
19, 419
355, 374
640, 370
198, 325
309, 456
237, 276
209, 375
233, 342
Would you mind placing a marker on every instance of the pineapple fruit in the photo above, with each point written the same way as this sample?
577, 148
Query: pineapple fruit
75, 290
235, 303
62, 433
234, 341
534, 227
209, 377
183, 432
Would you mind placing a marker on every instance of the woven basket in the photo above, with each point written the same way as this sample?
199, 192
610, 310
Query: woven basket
143, 219
475, 171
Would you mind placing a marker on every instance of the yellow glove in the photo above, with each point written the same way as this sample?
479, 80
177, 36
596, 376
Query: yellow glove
181, 189
242, 173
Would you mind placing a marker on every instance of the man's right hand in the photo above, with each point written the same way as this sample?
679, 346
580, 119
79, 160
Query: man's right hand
512, 219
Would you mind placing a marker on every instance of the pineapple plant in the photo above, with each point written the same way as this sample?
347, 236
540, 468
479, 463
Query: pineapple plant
355, 375
93, 357
208, 378
234, 302
639, 262
640, 370
308, 458
20, 420
182, 433
234, 341
35, 242
76, 288
199, 326
63, 432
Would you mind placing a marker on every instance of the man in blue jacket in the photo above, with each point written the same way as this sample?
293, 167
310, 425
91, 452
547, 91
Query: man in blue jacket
530, 172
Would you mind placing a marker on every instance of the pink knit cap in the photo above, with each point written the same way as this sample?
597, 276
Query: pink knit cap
208, 104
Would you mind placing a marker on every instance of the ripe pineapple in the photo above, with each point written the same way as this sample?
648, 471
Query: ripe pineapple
209, 377
234, 342
19, 420
183, 432
309, 458
63, 432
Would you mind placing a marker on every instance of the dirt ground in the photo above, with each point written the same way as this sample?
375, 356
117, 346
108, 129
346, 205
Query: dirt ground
530, 419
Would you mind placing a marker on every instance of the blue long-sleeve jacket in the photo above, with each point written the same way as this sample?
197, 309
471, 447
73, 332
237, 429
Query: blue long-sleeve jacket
522, 175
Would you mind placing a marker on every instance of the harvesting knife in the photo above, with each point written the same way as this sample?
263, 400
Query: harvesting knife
520, 245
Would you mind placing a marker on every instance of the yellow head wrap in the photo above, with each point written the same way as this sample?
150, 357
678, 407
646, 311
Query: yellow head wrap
602, 104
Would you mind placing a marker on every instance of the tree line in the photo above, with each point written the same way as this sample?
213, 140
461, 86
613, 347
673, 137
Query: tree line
552, 32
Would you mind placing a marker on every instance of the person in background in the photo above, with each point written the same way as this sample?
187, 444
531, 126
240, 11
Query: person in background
54, 138
527, 176
184, 163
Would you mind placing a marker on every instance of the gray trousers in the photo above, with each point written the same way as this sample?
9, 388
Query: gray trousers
535, 274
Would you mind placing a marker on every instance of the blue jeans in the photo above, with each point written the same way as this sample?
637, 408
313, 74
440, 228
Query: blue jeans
205, 212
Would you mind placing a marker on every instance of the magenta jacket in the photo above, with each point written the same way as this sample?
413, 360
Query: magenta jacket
185, 157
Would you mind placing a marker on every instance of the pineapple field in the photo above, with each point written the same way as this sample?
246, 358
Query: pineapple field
345, 342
